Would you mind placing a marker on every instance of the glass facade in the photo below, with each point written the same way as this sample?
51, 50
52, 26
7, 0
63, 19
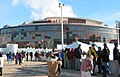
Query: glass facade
50, 34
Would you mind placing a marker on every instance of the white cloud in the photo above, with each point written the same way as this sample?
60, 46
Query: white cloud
108, 19
111, 18
47, 8
15, 2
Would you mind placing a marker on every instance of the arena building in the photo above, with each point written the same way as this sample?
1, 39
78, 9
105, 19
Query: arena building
47, 32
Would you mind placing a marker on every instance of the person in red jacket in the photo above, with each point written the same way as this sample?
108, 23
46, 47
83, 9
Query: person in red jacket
71, 58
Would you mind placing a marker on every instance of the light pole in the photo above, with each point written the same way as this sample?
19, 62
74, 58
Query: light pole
117, 27
61, 6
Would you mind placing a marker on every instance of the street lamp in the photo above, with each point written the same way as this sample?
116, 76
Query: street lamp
117, 27
61, 6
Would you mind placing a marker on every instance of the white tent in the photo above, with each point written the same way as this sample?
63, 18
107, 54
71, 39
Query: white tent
84, 46
110, 46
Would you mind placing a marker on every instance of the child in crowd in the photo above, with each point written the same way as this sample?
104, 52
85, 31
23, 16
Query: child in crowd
87, 66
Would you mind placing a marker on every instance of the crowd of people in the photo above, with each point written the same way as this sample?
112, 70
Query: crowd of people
22, 56
72, 59
18, 57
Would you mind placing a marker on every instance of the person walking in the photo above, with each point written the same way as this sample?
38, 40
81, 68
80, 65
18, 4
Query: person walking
92, 51
20, 58
1, 63
36, 56
119, 59
105, 60
87, 66
16, 58
31, 55
23, 56
99, 60
1, 55
10, 57
27, 55
116, 57
7, 54
54, 64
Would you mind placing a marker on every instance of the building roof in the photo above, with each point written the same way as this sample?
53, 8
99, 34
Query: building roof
74, 20
66, 20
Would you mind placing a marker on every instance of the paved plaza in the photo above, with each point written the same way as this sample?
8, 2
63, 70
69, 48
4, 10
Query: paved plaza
34, 69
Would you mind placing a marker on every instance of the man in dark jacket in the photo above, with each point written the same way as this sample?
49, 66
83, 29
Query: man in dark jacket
116, 57
78, 58
105, 60
99, 59
119, 57
119, 60
1, 54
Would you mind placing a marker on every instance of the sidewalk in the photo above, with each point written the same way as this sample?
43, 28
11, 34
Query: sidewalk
35, 69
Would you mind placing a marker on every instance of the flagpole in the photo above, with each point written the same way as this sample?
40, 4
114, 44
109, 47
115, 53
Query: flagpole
62, 38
